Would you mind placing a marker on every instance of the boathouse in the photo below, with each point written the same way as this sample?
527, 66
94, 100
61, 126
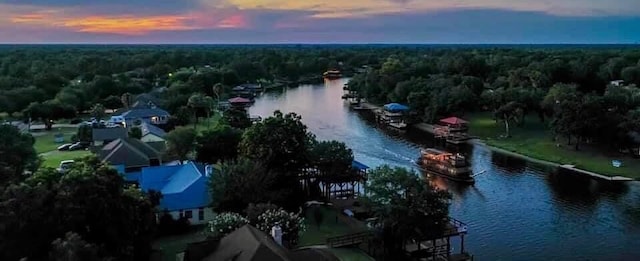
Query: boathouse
453, 129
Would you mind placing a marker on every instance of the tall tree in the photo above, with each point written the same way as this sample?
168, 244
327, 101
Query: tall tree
90, 199
510, 112
181, 142
112, 102
98, 111
280, 141
16, 154
219, 144
200, 104
407, 207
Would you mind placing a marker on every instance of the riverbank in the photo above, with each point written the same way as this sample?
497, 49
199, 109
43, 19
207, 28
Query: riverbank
533, 142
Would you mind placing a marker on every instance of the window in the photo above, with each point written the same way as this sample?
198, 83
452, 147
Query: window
200, 214
155, 120
188, 214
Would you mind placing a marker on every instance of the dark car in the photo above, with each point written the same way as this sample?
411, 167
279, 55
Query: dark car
64, 147
79, 146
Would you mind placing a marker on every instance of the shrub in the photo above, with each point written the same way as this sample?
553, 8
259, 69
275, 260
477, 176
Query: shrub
292, 224
226, 223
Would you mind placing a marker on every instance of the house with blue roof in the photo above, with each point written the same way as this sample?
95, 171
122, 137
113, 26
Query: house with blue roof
184, 190
148, 113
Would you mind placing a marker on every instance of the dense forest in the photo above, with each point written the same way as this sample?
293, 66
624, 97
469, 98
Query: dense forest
571, 86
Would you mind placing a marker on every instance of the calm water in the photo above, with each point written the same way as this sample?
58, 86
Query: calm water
515, 211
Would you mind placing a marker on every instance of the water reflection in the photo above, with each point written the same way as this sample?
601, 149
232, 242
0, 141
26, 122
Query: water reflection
510, 164
515, 211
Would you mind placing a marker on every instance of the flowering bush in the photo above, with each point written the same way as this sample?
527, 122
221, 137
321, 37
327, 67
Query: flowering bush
225, 223
292, 224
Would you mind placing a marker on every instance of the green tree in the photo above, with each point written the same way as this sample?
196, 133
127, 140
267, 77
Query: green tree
510, 112
112, 102
16, 154
280, 141
135, 132
200, 104
98, 111
243, 182
237, 118
90, 199
73, 248
219, 144
49, 111
85, 133
181, 142
406, 207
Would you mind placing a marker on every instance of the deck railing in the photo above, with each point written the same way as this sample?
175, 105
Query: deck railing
348, 240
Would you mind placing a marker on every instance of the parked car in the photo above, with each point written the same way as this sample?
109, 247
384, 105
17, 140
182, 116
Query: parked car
79, 145
65, 165
64, 147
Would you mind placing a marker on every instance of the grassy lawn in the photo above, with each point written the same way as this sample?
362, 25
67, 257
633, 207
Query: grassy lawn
172, 245
535, 140
329, 227
52, 159
207, 123
45, 140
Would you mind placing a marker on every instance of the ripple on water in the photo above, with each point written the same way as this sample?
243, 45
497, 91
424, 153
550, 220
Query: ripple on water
515, 211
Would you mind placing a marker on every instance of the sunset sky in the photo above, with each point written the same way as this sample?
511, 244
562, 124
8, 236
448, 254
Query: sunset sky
316, 21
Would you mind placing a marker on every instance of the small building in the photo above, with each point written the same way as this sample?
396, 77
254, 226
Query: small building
617, 83
151, 133
393, 115
132, 153
240, 102
102, 136
184, 189
453, 129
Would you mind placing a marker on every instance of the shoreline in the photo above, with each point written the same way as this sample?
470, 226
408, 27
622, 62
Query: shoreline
474, 141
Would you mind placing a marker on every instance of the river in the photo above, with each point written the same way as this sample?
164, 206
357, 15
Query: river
516, 210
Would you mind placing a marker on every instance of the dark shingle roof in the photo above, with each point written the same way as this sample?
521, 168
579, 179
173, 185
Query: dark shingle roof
129, 152
248, 244
150, 128
102, 134
143, 112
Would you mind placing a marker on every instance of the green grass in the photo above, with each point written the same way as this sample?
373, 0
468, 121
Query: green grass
207, 123
351, 254
52, 159
45, 141
534, 139
172, 245
329, 227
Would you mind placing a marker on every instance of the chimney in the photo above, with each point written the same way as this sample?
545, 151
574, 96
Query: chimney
276, 233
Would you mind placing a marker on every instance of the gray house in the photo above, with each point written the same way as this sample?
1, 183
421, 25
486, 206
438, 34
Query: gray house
148, 113
102, 136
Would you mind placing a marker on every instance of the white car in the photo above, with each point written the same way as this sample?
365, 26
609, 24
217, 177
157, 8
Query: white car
65, 165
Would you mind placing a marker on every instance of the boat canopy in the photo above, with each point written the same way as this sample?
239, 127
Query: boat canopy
395, 107
453, 121
239, 100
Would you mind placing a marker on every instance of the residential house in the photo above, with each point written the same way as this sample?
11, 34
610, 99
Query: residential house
148, 113
132, 153
151, 133
248, 243
184, 189
102, 136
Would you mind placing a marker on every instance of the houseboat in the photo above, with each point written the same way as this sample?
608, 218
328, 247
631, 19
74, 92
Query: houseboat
452, 166
393, 115
332, 74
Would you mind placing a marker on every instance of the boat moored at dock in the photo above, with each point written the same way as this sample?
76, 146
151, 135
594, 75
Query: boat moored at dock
452, 166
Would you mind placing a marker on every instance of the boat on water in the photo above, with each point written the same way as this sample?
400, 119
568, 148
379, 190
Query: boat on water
332, 74
452, 166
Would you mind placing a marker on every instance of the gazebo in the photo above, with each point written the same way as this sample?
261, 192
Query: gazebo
239, 102
454, 123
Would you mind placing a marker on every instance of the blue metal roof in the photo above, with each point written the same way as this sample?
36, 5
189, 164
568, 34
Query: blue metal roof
182, 186
358, 165
393, 107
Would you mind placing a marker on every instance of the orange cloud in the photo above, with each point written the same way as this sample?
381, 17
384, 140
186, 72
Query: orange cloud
129, 25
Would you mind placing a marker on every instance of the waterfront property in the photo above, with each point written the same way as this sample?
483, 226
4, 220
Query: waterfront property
240, 102
184, 190
332, 74
453, 129
393, 115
